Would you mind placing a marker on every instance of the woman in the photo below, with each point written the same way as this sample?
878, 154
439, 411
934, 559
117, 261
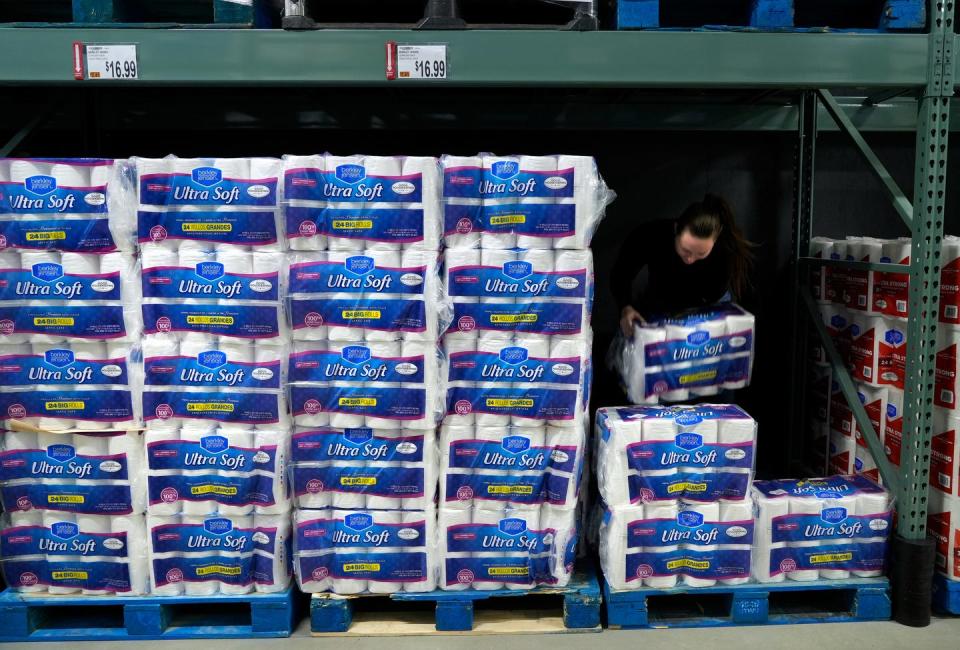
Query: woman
694, 261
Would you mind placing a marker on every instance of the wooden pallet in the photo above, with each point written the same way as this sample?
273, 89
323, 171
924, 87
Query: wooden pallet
946, 595
822, 601
137, 13
544, 610
104, 618
774, 15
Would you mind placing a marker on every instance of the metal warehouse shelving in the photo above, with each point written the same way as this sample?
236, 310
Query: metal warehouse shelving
806, 65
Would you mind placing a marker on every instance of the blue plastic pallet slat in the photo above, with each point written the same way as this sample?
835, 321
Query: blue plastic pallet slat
865, 599
946, 594
767, 15
45, 618
454, 609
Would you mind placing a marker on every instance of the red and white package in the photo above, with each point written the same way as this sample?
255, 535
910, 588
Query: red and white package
891, 290
943, 522
945, 452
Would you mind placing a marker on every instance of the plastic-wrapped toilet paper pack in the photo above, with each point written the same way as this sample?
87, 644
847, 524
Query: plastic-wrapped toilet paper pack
355, 202
211, 274
214, 363
859, 285
204, 469
893, 426
521, 361
943, 523
945, 452
226, 406
824, 528
866, 334
108, 467
200, 319
640, 548
79, 205
874, 402
65, 553
39, 322
842, 453
657, 453
506, 549
70, 408
356, 404
54, 277
892, 354
533, 201
947, 367
891, 291
350, 551
523, 467
223, 201
690, 355
206, 555
70, 364
950, 280
560, 405
568, 319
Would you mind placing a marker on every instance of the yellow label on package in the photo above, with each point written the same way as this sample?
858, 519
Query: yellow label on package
688, 563
830, 558
207, 227
509, 571
507, 218
686, 487
354, 314
358, 480
357, 401
63, 406
210, 320
202, 407
342, 224
513, 318
224, 490
69, 575
65, 498
46, 236
698, 376
509, 489
50, 321
509, 402
219, 569
359, 567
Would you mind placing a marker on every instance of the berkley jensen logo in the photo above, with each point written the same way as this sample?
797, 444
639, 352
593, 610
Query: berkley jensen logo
515, 444
47, 271
833, 515
214, 444
690, 519
212, 359
517, 270
65, 529
61, 453
355, 354
209, 270
513, 355
58, 358
359, 264
512, 526
689, 441
358, 436
206, 176
40, 185
894, 337
505, 169
358, 521
350, 173
218, 526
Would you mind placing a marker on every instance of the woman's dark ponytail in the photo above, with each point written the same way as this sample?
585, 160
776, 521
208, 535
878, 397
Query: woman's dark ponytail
712, 218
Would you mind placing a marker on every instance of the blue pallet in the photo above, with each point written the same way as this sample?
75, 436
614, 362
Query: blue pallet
785, 603
454, 609
138, 13
946, 595
103, 618
773, 15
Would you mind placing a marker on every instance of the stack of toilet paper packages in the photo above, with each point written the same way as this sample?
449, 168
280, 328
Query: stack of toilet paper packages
943, 523
820, 528
355, 203
74, 512
675, 483
69, 295
874, 348
694, 355
848, 451
352, 550
531, 202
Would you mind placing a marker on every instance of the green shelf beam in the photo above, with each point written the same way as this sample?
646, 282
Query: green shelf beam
484, 58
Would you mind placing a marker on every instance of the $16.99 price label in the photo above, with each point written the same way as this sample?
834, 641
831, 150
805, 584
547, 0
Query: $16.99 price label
112, 62
419, 62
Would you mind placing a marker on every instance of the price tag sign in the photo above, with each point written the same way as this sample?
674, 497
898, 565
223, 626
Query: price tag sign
112, 62
421, 61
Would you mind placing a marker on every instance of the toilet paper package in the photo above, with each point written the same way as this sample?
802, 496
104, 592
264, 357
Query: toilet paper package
508, 548
820, 248
375, 469
537, 202
214, 362
945, 452
39, 322
950, 280
520, 360
567, 319
58, 278
230, 203
893, 426
202, 320
69, 408
351, 551
70, 364
226, 406
891, 290
226, 554
892, 350
64, 553
76, 205
943, 523
204, 469
199, 271
820, 528
564, 406
867, 334
356, 202
86, 473
408, 406
947, 367
859, 285
655, 544
874, 402
697, 453
842, 453
694, 354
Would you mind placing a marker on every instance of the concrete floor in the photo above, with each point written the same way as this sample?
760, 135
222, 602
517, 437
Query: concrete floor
942, 634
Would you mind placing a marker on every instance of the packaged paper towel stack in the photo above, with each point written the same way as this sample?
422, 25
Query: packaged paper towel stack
696, 354
69, 294
366, 308
675, 483
214, 351
820, 528
943, 523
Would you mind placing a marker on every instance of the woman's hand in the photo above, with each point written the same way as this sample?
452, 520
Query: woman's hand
628, 317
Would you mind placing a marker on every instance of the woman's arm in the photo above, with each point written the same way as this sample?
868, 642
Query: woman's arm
633, 256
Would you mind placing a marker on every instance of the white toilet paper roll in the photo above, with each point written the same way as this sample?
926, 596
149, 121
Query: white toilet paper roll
710, 513
448, 522
159, 345
348, 500
71, 176
490, 419
90, 350
18, 440
804, 506
279, 568
237, 350
155, 256
735, 431
461, 239
130, 447
613, 545
386, 586
431, 192
532, 519
661, 510
497, 240
21, 170
235, 261
137, 552
193, 252
80, 264
543, 164
429, 520
10, 260
347, 586
735, 511
30, 258
344, 420
850, 504
98, 525
585, 200
239, 523
430, 466
872, 504
458, 258
491, 518
52, 518
238, 438
195, 585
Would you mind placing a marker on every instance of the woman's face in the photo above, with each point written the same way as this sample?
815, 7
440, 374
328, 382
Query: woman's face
691, 248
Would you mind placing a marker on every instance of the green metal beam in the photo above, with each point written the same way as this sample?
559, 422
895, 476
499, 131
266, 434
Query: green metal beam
900, 201
483, 58
840, 373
